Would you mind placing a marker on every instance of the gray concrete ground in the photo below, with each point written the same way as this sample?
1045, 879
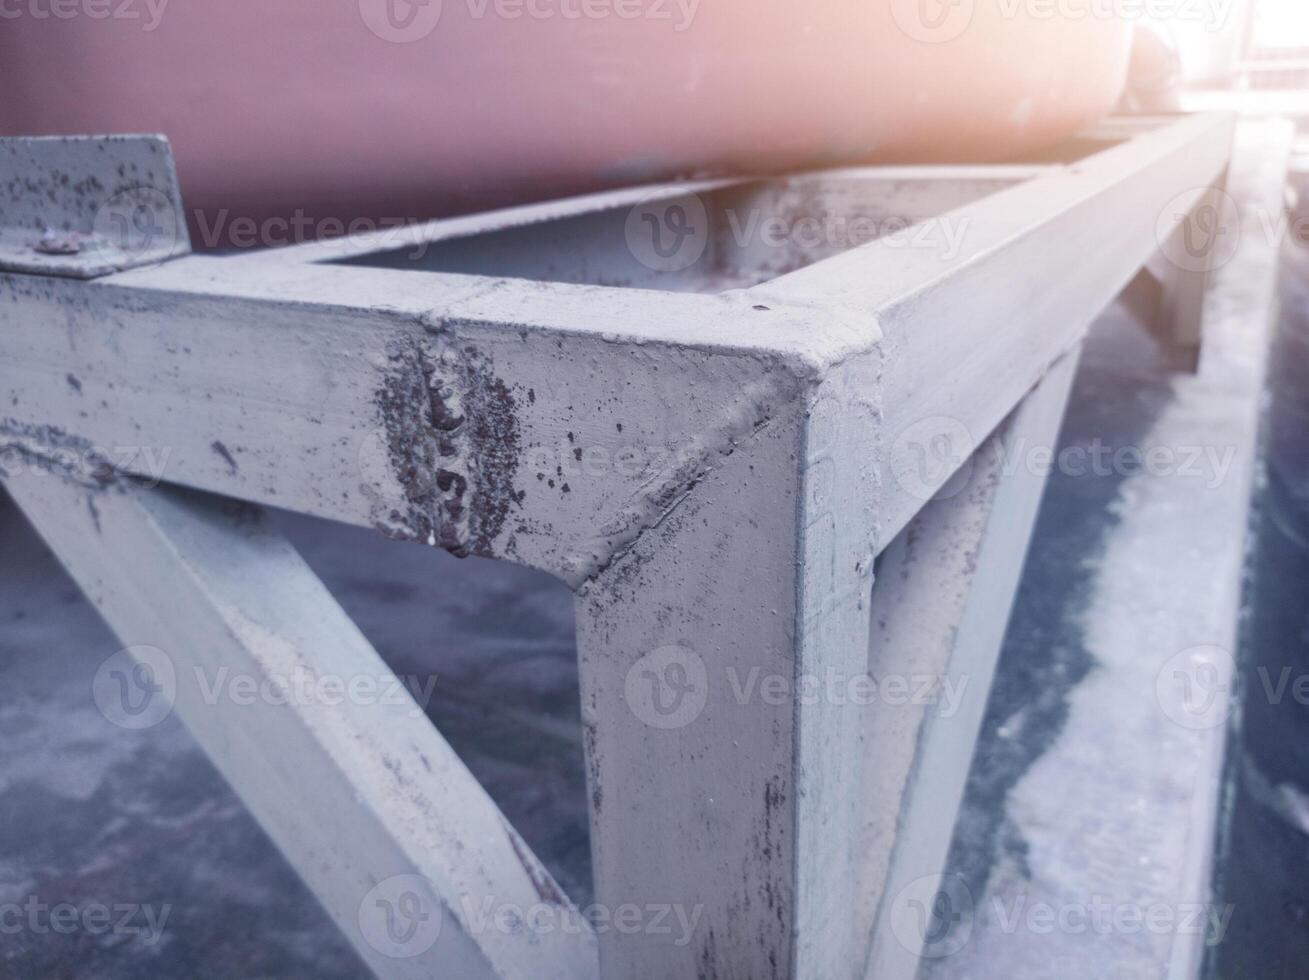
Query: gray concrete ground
1264, 861
1081, 793
139, 822
1085, 838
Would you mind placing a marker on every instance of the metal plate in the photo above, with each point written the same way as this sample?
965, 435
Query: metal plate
87, 206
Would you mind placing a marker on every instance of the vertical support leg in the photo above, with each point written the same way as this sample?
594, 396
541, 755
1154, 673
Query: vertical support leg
717, 659
1190, 259
944, 592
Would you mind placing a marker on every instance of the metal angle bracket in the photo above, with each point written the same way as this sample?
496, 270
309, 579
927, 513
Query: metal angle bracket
82, 207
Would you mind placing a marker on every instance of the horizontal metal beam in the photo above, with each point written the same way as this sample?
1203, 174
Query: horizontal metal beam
592, 411
966, 335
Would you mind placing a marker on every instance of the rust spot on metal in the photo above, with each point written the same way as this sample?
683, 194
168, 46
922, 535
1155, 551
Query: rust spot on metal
453, 442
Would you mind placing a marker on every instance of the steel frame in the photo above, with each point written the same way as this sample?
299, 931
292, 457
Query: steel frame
774, 404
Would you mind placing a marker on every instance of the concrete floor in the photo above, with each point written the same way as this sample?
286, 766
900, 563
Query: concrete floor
1262, 869
139, 821
1088, 797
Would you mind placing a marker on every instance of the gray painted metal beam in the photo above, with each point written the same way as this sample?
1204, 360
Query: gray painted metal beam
711, 462
224, 624
940, 607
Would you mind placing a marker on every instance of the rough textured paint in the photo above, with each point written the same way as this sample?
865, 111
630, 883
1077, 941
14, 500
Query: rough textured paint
750, 544
73, 206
